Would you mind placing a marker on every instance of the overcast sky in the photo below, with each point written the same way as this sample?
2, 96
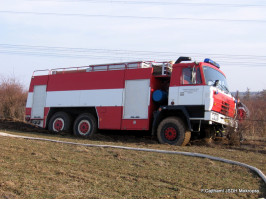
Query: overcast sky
45, 34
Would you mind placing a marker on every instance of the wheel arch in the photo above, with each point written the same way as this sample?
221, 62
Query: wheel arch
72, 111
85, 125
170, 111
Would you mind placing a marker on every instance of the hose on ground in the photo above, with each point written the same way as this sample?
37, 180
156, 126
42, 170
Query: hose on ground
254, 169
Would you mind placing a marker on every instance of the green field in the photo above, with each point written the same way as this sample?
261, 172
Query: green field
38, 169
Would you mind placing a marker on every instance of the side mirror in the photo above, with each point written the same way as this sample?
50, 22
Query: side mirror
216, 83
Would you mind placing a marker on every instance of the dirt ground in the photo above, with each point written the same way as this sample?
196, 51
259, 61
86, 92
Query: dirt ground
16, 125
52, 163
249, 144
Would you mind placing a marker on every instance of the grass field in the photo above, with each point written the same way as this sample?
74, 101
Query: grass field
37, 169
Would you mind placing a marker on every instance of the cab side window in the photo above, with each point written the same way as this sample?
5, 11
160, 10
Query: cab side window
191, 75
187, 76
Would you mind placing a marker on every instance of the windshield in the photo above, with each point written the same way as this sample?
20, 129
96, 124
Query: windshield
211, 76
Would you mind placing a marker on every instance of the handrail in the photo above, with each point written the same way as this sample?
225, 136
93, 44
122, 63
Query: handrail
106, 67
43, 70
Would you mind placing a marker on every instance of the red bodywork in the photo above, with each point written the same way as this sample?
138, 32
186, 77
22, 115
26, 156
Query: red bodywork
223, 104
111, 117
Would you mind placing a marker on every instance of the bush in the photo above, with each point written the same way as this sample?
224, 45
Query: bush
255, 125
13, 99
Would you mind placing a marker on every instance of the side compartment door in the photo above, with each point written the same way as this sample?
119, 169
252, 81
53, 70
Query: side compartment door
39, 101
136, 99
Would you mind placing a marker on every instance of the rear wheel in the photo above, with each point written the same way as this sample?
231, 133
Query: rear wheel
60, 121
173, 131
85, 125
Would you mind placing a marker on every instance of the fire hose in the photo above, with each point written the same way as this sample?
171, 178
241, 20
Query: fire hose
254, 169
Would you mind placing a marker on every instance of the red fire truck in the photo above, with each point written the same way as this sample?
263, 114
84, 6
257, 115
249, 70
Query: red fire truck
169, 99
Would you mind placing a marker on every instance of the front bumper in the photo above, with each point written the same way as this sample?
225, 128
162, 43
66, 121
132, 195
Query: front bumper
214, 117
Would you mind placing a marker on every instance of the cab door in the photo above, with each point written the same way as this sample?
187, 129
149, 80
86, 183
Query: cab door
191, 89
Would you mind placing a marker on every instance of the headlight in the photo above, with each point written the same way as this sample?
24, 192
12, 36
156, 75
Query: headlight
215, 117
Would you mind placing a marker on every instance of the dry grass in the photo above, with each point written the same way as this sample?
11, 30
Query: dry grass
35, 169
255, 125
12, 98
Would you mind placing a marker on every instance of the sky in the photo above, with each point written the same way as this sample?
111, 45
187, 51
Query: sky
48, 34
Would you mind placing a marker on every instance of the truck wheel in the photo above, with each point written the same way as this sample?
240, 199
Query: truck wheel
85, 125
172, 131
60, 121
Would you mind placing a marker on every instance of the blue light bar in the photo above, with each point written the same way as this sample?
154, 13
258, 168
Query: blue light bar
208, 60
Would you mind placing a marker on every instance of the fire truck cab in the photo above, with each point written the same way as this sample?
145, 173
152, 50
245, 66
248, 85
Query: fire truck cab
172, 100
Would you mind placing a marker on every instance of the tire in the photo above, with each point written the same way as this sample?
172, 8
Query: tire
172, 130
85, 125
59, 122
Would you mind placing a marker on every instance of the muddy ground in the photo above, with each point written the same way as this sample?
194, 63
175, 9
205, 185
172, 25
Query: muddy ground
249, 144
16, 125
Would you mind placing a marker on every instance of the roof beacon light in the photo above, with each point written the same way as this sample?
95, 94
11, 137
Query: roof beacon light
208, 60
